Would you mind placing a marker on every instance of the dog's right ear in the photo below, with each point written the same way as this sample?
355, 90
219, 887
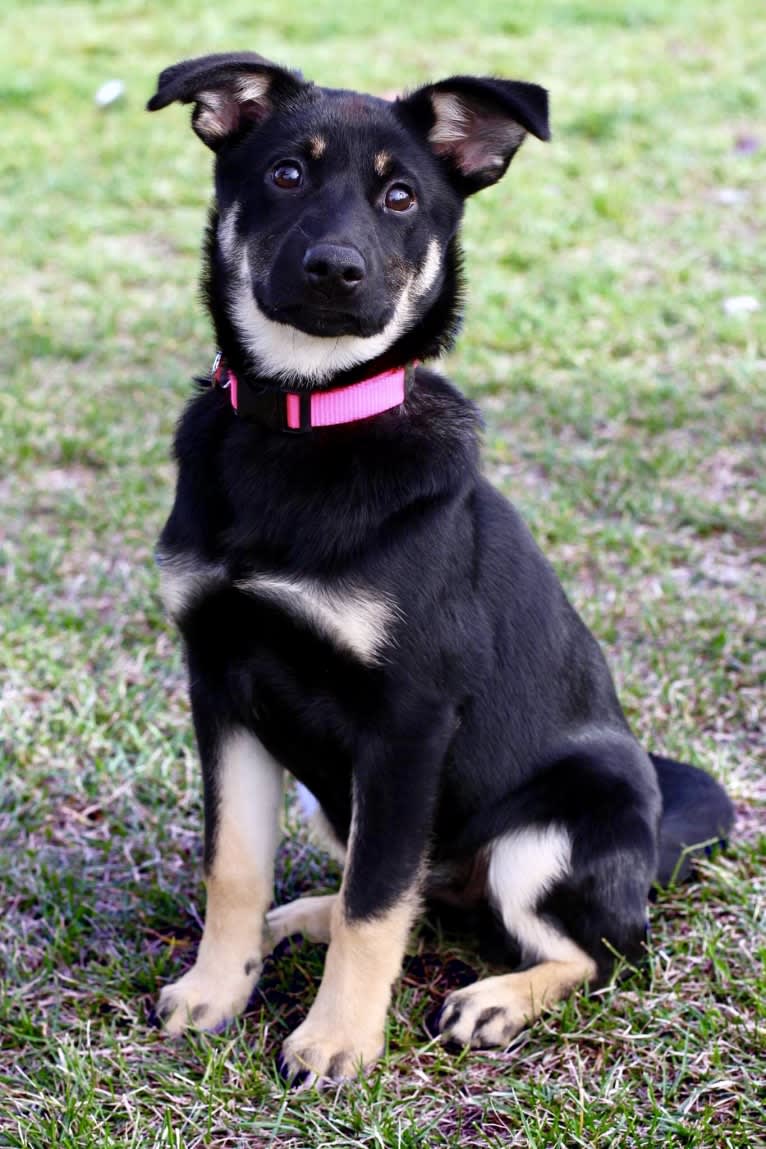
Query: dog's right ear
476, 124
231, 92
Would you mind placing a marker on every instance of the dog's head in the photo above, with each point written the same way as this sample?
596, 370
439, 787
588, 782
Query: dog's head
333, 241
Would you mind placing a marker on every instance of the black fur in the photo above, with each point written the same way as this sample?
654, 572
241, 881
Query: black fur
491, 707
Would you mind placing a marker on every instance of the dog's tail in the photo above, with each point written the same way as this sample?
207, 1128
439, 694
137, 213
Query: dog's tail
697, 816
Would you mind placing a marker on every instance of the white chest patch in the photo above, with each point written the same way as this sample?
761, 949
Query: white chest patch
185, 578
355, 619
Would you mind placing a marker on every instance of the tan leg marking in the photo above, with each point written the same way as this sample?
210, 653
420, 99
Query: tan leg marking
493, 1011
239, 889
344, 1030
522, 866
308, 916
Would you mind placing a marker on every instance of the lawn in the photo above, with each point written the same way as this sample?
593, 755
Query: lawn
625, 402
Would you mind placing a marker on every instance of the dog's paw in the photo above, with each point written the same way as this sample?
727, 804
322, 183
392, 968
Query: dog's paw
308, 916
485, 1014
313, 1055
280, 923
202, 999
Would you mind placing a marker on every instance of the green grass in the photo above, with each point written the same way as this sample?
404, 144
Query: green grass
626, 414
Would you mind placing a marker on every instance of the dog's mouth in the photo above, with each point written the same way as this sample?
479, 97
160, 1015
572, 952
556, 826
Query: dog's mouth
322, 320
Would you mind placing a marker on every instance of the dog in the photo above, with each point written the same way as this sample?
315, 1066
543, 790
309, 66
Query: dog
361, 609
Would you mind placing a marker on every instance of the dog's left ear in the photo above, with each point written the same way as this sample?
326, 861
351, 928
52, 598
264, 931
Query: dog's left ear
476, 124
231, 92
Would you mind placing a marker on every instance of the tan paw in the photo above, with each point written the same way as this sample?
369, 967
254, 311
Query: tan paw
308, 916
206, 1000
313, 1056
484, 1014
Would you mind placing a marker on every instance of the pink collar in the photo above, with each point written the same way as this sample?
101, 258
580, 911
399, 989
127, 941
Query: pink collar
303, 410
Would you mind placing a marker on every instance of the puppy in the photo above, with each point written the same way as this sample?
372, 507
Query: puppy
361, 609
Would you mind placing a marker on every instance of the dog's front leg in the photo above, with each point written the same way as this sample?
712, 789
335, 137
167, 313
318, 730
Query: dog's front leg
243, 793
394, 795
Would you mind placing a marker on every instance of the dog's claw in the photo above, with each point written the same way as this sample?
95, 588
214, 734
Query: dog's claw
198, 1000
312, 1059
295, 1078
478, 1020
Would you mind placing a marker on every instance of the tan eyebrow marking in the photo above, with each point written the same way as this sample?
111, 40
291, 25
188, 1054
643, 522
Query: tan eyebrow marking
382, 163
317, 147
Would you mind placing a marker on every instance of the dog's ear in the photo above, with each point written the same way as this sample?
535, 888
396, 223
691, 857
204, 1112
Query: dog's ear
476, 124
230, 91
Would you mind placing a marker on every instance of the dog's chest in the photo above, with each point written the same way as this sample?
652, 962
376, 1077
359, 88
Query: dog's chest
351, 616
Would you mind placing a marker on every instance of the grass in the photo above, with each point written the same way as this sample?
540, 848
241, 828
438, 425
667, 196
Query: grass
626, 413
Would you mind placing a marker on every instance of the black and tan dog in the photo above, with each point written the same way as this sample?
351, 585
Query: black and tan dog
361, 608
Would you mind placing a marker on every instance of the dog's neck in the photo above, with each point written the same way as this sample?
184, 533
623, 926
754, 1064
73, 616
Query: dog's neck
295, 411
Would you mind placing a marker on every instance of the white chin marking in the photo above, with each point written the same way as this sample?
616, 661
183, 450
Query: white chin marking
292, 356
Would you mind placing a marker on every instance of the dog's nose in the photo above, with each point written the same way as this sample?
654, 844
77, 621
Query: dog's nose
333, 268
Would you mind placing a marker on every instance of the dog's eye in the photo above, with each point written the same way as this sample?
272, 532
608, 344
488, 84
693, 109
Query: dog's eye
399, 198
287, 175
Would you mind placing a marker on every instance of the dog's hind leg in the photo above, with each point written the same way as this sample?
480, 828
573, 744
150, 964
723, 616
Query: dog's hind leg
571, 888
492, 1011
243, 793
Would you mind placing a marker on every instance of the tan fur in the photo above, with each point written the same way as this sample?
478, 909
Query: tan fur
253, 88
382, 163
213, 119
184, 578
493, 1011
344, 1029
239, 889
322, 835
521, 867
217, 111
320, 831
455, 133
317, 147
352, 616
310, 916
452, 119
